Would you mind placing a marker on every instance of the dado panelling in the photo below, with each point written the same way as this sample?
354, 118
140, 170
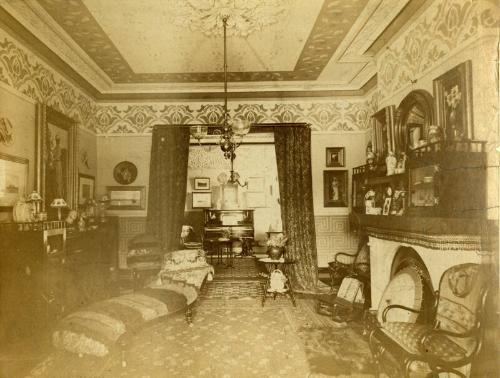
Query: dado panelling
338, 115
26, 73
445, 27
332, 236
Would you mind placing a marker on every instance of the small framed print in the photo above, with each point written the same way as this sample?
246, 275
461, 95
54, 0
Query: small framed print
202, 183
335, 188
255, 184
86, 188
202, 200
13, 180
387, 206
335, 157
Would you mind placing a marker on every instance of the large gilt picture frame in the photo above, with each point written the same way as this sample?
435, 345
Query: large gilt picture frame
56, 157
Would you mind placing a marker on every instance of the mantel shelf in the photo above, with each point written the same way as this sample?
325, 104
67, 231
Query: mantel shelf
422, 225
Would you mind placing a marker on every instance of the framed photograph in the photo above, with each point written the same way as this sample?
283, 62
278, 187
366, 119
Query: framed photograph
126, 197
335, 188
255, 184
202, 183
202, 200
453, 96
86, 188
125, 173
256, 199
335, 157
13, 180
56, 173
387, 206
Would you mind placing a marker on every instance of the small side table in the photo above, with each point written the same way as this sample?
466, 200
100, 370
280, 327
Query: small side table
283, 265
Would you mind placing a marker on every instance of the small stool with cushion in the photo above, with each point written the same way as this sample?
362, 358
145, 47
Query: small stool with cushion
144, 257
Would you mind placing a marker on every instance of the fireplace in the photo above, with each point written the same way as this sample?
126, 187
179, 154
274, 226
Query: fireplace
392, 250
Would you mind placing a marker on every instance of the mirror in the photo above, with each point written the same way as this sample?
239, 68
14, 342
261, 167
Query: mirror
413, 117
57, 169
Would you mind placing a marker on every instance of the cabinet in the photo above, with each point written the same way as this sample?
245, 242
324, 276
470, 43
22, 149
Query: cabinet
448, 180
47, 271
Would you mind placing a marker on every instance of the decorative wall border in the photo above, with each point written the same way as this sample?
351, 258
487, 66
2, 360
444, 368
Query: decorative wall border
443, 28
27, 74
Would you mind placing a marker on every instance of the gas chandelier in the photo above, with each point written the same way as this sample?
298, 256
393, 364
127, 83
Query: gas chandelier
231, 132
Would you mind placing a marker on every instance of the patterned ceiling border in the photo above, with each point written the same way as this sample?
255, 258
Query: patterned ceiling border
444, 27
317, 51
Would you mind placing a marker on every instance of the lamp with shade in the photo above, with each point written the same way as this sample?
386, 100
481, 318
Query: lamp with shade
58, 203
35, 198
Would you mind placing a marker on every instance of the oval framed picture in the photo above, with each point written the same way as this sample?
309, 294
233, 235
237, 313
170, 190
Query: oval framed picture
125, 173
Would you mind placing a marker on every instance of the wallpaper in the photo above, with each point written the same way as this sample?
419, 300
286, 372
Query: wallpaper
339, 115
446, 26
27, 74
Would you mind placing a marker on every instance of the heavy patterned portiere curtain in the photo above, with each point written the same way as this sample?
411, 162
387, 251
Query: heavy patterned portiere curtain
293, 157
167, 184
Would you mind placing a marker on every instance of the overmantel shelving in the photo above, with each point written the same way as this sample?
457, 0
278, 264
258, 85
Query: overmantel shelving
441, 179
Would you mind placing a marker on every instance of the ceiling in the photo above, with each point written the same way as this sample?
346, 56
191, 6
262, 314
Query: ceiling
153, 48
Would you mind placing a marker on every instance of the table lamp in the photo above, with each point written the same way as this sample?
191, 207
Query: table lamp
36, 198
103, 202
58, 203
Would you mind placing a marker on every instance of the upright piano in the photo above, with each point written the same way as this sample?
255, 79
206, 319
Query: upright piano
233, 224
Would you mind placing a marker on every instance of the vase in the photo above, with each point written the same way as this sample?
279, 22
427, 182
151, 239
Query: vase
274, 253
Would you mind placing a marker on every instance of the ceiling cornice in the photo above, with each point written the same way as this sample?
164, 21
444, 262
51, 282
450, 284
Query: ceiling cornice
278, 90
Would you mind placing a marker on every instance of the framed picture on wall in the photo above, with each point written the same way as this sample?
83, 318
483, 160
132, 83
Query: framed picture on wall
335, 188
335, 157
202, 183
453, 96
202, 200
86, 188
13, 180
126, 197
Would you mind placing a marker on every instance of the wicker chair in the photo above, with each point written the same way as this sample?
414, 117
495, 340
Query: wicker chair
352, 265
447, 345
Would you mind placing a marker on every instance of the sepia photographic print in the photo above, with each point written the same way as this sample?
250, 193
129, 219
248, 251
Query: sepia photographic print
264, 188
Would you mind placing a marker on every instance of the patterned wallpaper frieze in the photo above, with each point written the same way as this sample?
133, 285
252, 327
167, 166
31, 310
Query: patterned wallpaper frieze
338, 115
444, 28
27, 74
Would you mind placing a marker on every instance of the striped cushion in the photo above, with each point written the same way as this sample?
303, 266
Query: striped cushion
95, 329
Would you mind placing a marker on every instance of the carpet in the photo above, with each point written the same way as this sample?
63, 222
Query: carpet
232, 336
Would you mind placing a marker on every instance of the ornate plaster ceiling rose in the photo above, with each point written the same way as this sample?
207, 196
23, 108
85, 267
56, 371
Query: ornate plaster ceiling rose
245, 16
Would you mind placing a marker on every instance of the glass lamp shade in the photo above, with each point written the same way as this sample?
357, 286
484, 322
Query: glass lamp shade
198, 132
58, 203
35, 197
240, 127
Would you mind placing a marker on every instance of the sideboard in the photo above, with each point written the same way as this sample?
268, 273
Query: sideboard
48, 270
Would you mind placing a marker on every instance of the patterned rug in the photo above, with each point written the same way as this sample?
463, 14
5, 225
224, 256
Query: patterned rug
232, 336
244, 268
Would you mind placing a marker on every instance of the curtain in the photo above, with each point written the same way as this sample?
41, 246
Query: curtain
293, 157
167, 184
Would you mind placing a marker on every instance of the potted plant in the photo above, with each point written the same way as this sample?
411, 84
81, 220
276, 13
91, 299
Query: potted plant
275, 246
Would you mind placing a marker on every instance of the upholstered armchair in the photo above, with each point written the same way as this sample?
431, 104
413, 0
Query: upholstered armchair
450, 343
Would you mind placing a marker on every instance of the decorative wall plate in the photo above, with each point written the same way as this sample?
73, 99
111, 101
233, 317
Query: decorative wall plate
125, 173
